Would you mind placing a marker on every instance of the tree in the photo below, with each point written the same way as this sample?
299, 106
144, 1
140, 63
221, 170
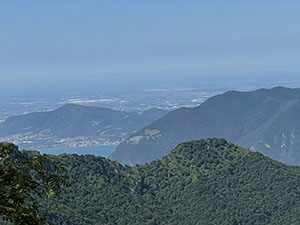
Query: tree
26, 178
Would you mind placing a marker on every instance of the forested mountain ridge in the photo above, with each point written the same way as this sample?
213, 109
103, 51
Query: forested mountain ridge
74, 125
265, 120
200, 182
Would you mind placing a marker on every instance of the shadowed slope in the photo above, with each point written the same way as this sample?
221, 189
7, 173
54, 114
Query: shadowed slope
240, 117
200, 182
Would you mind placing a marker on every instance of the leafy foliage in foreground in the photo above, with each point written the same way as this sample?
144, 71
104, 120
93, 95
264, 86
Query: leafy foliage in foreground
25, 178
201, 182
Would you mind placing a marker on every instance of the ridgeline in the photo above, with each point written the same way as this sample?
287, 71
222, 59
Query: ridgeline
200, 182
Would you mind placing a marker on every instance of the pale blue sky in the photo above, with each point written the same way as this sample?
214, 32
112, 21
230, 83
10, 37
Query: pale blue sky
92, 42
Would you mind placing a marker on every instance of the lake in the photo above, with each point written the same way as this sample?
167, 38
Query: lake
104, 150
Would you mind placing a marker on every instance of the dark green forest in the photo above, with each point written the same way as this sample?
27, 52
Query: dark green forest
26, 179
200, 182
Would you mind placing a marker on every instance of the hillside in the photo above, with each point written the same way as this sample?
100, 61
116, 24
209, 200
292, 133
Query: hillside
200, 182
74, 125
265, 120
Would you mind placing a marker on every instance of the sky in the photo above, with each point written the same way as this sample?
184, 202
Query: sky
109, 43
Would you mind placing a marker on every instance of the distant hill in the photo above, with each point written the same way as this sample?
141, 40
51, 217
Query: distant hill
75, 124
265, 120
200, 182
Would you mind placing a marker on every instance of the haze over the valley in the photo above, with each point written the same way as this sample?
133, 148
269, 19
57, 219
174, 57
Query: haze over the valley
62, 47
158, 112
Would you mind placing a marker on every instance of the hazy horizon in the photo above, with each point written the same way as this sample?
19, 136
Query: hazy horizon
71, 45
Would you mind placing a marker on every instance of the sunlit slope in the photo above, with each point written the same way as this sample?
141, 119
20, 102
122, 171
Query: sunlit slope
267, 120
200, 182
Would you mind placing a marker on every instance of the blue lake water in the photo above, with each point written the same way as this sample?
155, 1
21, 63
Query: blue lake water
104, 150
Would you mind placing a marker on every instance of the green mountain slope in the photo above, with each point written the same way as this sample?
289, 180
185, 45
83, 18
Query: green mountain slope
200, 182
265, 120
75, 124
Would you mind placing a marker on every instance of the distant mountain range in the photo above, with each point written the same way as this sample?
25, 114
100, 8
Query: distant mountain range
75, 125
201, 182
265, 120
